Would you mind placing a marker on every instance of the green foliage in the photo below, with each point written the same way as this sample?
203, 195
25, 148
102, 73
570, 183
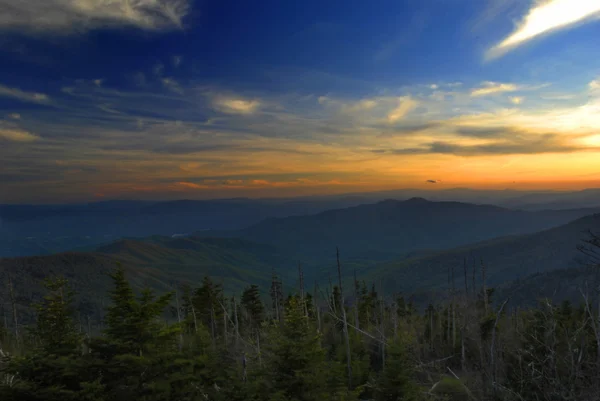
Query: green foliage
54, 370
396, 381
225, 350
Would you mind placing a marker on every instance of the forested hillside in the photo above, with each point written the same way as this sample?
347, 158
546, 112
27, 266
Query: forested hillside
505, 259
158, 263
326, 343
203, 318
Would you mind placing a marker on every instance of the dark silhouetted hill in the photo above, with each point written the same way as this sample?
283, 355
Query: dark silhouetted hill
391, 228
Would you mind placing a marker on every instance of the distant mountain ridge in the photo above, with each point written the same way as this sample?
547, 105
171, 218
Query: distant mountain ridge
45, 229
391, 227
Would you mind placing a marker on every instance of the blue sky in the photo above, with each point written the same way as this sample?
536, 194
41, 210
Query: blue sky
176, 98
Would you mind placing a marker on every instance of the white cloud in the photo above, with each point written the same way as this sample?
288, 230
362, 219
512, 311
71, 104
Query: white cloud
361, 105
17, 135
71, 16
405, 106
545, 17
594, 85
490, 88
98, 82
516, 99
22, 95
236, 106
14, 116
390, 107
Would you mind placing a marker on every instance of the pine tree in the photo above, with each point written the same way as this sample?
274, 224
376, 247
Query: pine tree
253, 306
297, 369
54, 370
138, 357
396, 381
208, 302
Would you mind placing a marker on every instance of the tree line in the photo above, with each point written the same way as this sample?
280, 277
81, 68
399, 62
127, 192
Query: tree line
332, 343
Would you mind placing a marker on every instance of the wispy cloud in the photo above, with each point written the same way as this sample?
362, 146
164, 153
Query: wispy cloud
510, 142
14, 116
19, 94
516, 99
172, 85
490, 88
73, 16
158, 69
217, 143
545, 17
390, 109
16, 135
236, 105
405, 106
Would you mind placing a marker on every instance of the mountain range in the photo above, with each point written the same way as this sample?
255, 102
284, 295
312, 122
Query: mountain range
408, 246
45, 229
391, 228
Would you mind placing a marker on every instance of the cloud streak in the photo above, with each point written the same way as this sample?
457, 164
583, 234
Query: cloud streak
405, 106
492, 88
16, 135
545, 17
24, 96
236, 105
73, 16
163, 144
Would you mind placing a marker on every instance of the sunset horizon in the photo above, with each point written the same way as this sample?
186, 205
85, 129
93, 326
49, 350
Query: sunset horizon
147, 102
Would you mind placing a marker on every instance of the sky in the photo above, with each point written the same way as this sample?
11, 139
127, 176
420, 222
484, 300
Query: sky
170, 99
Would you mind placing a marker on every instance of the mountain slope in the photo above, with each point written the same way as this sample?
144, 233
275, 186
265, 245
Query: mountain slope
390, 228
157, 263
505, 259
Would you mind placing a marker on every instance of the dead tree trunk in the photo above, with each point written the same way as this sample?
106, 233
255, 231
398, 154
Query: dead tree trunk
13, 303
179, 318
356, 317
448, 324
484, 289
466, 284
212, 324
453, 313
493, 346
237, 327
382, 327
317, 306
225, 331
345, 321
302, 298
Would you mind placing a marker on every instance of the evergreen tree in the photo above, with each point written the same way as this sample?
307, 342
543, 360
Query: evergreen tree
137, 357
54, 370
253, 306
297, 369
396, 381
